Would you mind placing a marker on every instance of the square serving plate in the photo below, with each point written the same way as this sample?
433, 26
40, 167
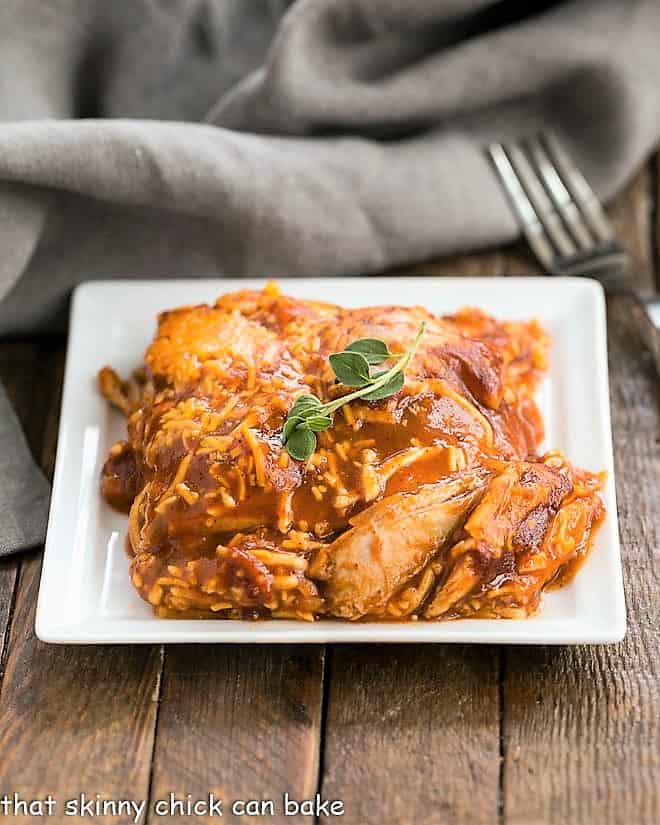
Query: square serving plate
85, 594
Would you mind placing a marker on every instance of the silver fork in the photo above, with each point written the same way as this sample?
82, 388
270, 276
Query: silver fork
565, 224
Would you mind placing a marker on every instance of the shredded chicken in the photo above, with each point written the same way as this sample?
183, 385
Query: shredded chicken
432, 503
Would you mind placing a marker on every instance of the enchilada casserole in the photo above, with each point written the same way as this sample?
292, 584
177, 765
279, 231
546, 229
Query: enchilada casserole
432, 502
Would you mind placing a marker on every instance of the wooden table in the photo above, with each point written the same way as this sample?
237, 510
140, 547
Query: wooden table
425, 735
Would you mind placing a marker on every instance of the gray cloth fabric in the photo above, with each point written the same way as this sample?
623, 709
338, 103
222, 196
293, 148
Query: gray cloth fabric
23, 487
156, 138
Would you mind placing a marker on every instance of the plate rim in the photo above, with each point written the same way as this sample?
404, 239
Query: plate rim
209, 631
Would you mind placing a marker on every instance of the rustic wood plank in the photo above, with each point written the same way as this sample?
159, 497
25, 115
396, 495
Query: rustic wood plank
240, 722
631, 217
412, 734
582, 725
8, 579
73, 719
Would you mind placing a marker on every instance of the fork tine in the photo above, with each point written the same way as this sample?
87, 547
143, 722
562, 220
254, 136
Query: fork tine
583, 194
560, 195
531, 226
543, 206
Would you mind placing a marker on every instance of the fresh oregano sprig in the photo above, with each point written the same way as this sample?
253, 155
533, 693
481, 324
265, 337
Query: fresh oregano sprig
352, 367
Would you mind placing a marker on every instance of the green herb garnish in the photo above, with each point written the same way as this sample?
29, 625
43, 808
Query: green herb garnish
309, 415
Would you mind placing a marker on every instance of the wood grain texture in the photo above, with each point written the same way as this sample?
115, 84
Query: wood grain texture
240, 722
8, 579
412, 734
631, 215
581, 726
72, 719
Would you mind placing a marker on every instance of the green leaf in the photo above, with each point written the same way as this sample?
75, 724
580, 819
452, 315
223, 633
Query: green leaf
309, 415
373, 349
318, 423
304, 403
304, 407
290, 425
351, 368
390, 387
301, 444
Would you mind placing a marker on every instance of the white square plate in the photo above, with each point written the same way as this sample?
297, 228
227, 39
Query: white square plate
85, 594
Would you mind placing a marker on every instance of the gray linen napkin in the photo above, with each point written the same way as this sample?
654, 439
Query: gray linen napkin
23, 487
153, 138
